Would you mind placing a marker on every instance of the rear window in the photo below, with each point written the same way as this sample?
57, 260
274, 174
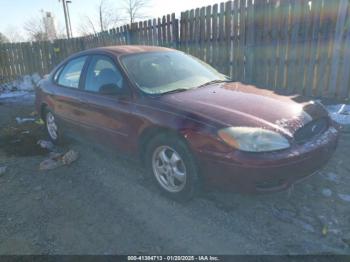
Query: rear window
70, 75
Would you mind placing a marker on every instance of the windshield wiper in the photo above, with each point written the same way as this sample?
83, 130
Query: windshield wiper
214, 82
205, 84
175, 91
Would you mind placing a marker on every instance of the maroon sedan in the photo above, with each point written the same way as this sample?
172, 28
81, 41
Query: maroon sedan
188, 123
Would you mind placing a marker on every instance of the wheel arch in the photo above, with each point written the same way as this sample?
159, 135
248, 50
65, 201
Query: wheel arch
43, 108
149, 133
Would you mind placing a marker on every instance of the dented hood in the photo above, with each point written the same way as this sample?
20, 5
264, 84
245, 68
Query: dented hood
236, 104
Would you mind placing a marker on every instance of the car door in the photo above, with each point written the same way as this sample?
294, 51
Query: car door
67, 93
106, 114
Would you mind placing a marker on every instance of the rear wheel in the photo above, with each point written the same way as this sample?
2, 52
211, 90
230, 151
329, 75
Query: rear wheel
52, 127
172, 166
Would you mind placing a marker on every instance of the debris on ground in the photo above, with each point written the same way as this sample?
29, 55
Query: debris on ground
25, 119
45, 144
70, 157
3, 170
344, 197
21, 140
39, 121
12, 94
324, 230
56, 160
340, 113
52, 162
326, 192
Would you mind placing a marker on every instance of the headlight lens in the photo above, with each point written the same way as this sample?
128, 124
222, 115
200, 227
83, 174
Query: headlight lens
253, 139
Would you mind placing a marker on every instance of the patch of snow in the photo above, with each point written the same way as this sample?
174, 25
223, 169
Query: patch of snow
20, 89
7, 87
344, 197
12, 94
340, 113
26, 83
23, 120
36, 78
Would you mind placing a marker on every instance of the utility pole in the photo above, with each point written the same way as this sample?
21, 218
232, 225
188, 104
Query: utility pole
66, 18
68, 15
101, 18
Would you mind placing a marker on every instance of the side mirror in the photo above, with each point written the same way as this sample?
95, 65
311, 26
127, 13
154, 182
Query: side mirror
111, 89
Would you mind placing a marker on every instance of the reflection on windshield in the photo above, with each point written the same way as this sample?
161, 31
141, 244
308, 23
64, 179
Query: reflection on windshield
163, 72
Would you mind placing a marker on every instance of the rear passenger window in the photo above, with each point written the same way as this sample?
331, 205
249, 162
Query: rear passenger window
70, 75
101, 73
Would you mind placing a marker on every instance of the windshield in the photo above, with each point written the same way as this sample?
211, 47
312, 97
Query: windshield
163, 72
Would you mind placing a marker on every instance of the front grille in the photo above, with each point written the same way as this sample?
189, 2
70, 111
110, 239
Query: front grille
310, 130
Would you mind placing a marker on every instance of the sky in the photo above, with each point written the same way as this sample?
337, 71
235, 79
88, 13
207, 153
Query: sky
15, 13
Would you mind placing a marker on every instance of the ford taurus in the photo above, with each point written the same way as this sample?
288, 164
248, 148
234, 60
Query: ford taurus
190, 125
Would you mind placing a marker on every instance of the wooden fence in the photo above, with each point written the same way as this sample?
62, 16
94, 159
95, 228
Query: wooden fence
295, 46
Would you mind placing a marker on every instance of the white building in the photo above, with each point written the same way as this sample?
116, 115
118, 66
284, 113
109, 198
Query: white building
49, 26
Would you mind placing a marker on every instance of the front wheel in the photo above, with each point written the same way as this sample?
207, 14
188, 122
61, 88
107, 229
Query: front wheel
173, 168
52, 127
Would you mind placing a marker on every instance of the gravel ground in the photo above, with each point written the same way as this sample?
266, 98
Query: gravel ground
103, 204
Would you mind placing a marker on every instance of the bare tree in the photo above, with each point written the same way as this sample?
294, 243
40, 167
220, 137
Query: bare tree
36, 29
135, 9
61, 31
13, 34
3, 38
41, 28
87, 27
108, 17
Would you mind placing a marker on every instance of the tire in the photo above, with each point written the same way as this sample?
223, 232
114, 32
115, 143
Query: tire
51, 121
172, 166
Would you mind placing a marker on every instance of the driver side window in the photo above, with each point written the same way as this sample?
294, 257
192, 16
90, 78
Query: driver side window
102, 73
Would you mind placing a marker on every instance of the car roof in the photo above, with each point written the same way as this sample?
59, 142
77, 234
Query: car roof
118, 50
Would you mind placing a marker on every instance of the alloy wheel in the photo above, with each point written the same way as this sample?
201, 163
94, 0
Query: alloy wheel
169, 169
51, 125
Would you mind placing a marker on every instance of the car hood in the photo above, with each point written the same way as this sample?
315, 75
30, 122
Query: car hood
237, 104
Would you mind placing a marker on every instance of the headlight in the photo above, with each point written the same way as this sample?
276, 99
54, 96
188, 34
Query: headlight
253, 139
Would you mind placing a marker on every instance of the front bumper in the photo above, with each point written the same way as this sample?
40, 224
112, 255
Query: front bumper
270, 171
